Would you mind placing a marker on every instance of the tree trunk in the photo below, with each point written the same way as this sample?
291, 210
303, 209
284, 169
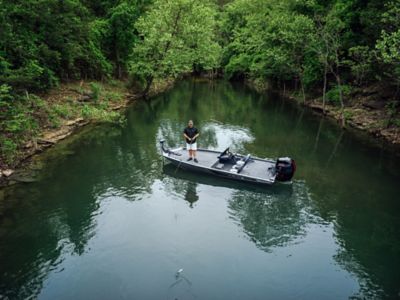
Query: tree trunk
118, 65
146, 90
324, 88
339, 85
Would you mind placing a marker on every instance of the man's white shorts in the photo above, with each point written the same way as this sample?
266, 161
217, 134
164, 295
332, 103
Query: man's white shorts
191, 146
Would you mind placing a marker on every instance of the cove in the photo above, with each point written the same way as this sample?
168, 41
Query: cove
109, 220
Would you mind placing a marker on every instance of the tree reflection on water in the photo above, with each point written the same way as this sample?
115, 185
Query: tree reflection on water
272, 218
340, 182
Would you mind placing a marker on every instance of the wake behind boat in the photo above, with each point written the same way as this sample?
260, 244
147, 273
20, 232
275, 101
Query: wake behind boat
233, 166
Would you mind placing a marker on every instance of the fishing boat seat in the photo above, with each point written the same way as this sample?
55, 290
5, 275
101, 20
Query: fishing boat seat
228, 157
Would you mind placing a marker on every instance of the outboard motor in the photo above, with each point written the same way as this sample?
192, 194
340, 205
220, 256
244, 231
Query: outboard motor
285, 168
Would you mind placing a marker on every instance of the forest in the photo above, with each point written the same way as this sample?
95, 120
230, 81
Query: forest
330, 50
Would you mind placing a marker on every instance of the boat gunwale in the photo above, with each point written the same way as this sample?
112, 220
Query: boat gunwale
231, 175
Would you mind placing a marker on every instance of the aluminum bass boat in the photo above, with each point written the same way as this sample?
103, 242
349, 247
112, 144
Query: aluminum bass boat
233, 166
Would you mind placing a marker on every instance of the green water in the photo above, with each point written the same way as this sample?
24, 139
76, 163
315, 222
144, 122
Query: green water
108, 221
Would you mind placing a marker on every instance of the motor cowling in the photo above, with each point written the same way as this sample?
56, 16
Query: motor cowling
285, 168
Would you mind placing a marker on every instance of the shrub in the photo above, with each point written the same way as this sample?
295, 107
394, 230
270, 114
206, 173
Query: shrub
54, 119
96, 91
333, 94
113, 96
5, 98
8, 149
62, 110
348, 114
98, 114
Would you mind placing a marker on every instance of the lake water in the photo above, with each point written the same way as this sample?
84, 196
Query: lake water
107, 220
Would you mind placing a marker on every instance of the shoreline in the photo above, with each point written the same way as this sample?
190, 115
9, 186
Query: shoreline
49, 137
367, 115
359, 118
364, 120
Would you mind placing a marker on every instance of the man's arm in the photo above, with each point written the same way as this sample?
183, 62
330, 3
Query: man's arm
196, 135
185, 136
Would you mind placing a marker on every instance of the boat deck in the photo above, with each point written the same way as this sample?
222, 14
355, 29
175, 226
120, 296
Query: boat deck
257, 168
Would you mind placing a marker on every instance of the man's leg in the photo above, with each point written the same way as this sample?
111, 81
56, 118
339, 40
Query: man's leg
194, 152
190, 152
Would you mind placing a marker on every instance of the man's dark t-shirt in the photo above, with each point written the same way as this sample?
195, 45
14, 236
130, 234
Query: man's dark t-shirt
191, 132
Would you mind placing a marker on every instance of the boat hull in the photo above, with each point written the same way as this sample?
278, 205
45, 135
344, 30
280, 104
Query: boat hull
236, 177
208, 162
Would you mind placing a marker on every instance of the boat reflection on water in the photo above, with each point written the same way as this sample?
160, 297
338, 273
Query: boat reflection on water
201, 178
272, 216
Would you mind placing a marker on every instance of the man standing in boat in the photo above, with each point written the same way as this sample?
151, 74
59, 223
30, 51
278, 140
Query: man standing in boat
190, 134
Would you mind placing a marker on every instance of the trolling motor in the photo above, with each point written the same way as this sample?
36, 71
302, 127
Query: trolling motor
285, 168
162, 146
162, 142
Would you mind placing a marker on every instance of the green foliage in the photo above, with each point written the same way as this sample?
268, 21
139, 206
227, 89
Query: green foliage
389, 51
54, 119
122, 31
62, 110
348, 114
361, 63
40, 44
396, 122
333, 94
392, 109
8, 149
98, 64
271, 43
113, 96
101, 115
175, 36
302, 40
5, 99
96, 91
347, 42
17, 122
388, 44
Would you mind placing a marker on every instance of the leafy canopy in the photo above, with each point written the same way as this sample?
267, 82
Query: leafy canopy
175, 36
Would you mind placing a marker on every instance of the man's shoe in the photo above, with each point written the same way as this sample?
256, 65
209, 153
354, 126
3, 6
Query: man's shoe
190, 159
195, 160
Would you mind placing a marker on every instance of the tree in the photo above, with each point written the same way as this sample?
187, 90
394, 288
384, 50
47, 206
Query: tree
328, 47
271, 42
122, 33
175, 36
388, 45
